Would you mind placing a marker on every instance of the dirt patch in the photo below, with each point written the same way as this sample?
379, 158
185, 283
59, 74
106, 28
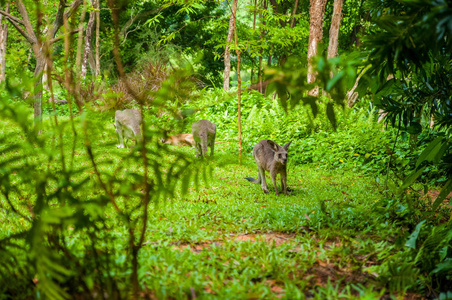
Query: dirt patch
275, 238
433, 194
322, 272
276, 288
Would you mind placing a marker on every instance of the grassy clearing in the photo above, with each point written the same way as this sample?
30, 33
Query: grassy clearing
226, 238
233, 241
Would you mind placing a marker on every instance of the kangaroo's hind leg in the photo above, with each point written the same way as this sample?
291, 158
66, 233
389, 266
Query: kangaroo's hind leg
261, 179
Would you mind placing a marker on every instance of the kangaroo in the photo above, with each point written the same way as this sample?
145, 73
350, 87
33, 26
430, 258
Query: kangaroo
271, 157
204, 133
128, 125
180, 139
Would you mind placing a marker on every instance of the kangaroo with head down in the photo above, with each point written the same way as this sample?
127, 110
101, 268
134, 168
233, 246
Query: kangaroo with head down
204, 133
128, 125
271, 157
185, 139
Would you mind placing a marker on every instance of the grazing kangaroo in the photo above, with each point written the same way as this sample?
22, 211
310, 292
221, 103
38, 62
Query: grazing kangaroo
204, 133
271, 157
128, 125
179, 139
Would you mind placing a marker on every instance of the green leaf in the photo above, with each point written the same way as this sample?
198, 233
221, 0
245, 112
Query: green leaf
447, 188
445, 266
410, 179
411, 241
331, 115
414, 128
432, 151
334, 80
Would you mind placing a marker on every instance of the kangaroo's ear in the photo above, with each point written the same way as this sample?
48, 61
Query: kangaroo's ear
286, 146
273, 145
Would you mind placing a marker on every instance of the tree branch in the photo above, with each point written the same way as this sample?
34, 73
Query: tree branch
21, 31
28, 27
134, 18
11, 17
54, 40
74, 6
59, 18
62, 14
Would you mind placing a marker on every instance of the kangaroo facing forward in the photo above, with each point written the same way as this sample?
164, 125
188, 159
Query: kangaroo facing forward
271, 157
204, 133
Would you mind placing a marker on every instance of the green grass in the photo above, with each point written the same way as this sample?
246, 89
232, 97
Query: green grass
225, 238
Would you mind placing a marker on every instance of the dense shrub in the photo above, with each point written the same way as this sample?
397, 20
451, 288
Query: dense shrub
359, 143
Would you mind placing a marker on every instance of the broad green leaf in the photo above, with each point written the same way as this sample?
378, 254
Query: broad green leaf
331, 115
410, 179
334, 80
414, 128
447, 188
411, 241
443, 267
432, 150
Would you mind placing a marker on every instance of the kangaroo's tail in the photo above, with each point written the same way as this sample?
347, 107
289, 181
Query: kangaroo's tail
251, 179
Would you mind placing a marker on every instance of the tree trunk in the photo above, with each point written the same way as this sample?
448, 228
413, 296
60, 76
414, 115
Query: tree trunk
253, 61
78, 56
334, 29
97, 64
259, 70
294, 12
39, 70
239, 82
227, 51
316, 12
3, 44
88, 39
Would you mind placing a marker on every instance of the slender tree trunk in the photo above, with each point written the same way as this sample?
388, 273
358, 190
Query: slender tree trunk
316, 12
3, 44
269, 60
227, 52
352, 96
88, 44
294, 12
239, 101
39, 70
259, 71
239, 81
78, 56
334, 29
39, 50
283, 58
97, 72
254, 28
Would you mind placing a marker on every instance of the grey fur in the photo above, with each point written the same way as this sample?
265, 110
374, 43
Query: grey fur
269, 156
128, 125
204, 133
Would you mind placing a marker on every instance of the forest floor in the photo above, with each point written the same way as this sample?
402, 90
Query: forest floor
230, 240
227, 239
